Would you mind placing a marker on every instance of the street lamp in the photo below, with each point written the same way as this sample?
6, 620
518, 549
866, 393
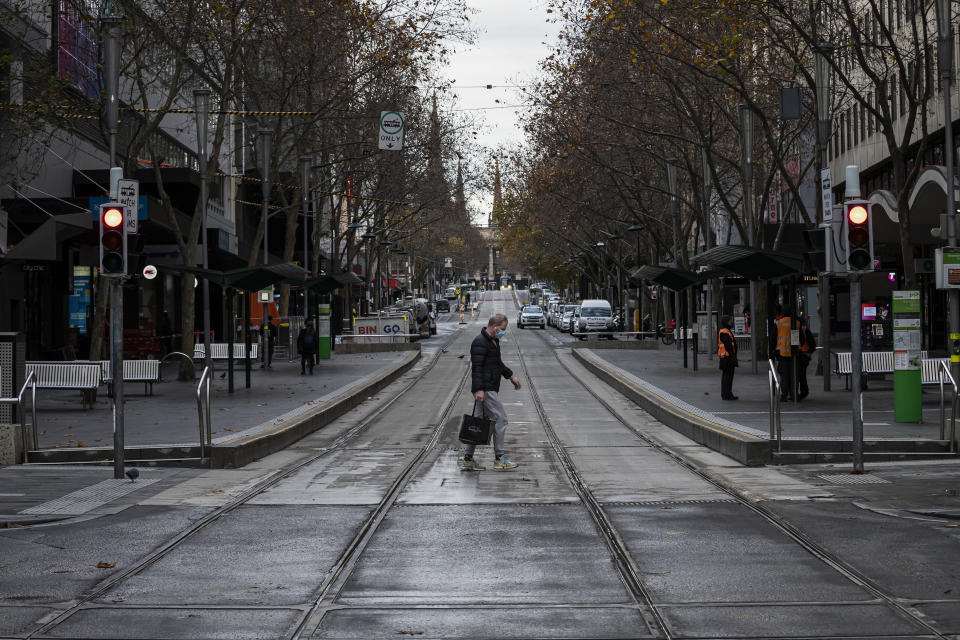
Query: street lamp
201, 103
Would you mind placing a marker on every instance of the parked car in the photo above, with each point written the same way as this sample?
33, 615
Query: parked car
596, 316
531, 316
566, 320
551, 313
443, 306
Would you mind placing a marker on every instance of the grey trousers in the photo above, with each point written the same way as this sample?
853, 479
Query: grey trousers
493, 409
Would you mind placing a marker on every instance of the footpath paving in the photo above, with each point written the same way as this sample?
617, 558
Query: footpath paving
169, 416
816, 429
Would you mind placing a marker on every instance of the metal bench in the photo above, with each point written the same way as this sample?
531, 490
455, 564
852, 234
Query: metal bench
876, 362
930, 371
84, 377
220, 351
145, 371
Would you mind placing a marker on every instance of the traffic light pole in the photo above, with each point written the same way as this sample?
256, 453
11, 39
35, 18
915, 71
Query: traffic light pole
856, 362
116, 372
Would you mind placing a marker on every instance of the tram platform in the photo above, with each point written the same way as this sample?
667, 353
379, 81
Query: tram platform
816, 429
280, 407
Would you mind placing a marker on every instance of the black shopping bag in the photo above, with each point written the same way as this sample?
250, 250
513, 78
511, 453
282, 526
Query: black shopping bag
474, 430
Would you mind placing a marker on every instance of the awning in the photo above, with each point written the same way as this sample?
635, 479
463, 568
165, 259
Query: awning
671, 277
44, 242
750, 262
330, 283
249, 278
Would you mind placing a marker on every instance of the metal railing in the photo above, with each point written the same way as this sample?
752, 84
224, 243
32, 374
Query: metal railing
31, 381
203, 412
776, 426
945, 375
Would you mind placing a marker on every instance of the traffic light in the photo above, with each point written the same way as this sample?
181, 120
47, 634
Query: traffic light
113, 239
858, 235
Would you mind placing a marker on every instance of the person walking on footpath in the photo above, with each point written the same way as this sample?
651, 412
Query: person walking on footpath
486, 368
808, 344
727, 353
307, 346
784, 353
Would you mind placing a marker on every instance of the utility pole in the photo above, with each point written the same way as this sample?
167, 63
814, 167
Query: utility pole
675, 214
201, 101
945, 51
746, 126
707, 241
822, 80
266, 136
113, 45
305, 163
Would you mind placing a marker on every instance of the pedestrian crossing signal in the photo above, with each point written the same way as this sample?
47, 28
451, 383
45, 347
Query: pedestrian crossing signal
113, 239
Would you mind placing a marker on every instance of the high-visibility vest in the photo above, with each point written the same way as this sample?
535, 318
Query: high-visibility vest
783, 336
722, 348
804, 343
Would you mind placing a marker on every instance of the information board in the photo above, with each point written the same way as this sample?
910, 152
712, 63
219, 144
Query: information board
907, 341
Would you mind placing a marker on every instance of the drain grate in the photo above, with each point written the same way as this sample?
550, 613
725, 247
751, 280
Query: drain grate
83, 500
846, 478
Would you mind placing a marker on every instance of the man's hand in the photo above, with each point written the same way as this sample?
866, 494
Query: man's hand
479, 396
516, 383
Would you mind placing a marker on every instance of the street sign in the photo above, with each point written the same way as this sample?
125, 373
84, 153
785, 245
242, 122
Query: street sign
391, 130
826, 195
128, 194
149, 272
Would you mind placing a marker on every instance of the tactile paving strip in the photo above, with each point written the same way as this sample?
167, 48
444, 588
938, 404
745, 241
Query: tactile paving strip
89, 498
847, 478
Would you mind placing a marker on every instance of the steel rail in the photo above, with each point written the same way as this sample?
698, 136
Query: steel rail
803, 540
338, 575
623, 561
270, 481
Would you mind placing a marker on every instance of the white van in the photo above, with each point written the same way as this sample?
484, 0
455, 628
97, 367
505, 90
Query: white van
596, 316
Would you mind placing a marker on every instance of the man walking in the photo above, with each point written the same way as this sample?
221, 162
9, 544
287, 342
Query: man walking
727, 353
486, 370
307, 346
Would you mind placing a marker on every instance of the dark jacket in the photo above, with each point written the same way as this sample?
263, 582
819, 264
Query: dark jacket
730, 361
485, 364
307, 340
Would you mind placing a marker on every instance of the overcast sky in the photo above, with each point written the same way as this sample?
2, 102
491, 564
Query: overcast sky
513, 36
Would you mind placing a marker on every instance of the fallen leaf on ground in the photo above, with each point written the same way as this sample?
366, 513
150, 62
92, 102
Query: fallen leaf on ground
218, 490
81, 444
106, 565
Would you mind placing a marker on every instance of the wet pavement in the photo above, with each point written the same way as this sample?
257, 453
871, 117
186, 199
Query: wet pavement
367, 529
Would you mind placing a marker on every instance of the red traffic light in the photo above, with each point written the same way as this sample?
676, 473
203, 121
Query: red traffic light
857, 214
112, 217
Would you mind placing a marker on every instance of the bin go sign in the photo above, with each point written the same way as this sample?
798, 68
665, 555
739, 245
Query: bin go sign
391, 130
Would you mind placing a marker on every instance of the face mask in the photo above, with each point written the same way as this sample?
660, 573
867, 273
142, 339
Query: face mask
500, 333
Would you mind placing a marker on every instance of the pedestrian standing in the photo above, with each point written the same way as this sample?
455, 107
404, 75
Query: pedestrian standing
307, 346
268, 333
727, 353
808, 344
784, 324
486, 367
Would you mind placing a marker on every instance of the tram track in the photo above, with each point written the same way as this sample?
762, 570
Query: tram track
622, 558
347, 558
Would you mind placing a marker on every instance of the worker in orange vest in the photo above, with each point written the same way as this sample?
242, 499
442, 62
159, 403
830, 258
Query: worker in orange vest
727, 353
784, 324
808, 344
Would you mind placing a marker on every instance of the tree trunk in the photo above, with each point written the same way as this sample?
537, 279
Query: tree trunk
289, 245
